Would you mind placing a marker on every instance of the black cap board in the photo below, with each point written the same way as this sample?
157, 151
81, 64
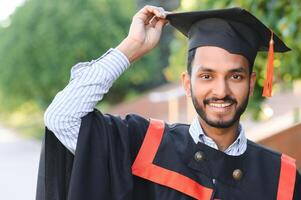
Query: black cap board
234, 29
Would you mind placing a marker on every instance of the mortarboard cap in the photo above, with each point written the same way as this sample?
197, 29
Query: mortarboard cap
234, 29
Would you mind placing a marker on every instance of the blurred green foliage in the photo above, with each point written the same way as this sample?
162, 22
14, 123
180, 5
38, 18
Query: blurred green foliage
282, 16
46, 38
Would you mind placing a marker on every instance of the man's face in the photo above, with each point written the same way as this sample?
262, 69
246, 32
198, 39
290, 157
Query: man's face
219, 85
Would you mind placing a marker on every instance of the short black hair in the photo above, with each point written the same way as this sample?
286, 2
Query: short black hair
190, 58
191, 55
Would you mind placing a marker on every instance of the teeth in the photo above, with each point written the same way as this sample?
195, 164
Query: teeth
220, 105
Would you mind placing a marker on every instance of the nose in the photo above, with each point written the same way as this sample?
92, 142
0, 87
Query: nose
220, 89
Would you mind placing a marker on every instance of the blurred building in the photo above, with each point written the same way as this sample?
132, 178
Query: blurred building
281, 130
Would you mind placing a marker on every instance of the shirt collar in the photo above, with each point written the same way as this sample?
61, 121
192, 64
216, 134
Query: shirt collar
238, 147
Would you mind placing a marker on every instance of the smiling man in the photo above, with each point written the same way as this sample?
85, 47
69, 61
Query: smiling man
90, 155
219, 84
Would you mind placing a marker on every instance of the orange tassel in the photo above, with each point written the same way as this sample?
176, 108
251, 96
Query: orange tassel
268, 83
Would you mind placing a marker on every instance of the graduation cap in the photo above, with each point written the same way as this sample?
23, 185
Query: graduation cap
235, 30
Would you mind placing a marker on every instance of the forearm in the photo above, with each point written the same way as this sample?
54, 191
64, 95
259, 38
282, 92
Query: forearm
89, 82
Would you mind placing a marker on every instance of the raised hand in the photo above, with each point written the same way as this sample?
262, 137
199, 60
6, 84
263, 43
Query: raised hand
144, 33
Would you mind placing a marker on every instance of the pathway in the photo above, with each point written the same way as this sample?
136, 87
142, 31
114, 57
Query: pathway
19, 160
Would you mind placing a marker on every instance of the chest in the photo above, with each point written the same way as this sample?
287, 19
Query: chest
181, 169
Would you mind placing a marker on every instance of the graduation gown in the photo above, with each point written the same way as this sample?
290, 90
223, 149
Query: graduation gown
134, 159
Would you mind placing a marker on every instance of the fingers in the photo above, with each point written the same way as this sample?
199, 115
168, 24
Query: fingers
153, 21
157, 22
153, 10
148, 12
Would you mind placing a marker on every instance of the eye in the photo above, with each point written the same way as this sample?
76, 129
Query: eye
237, 77
206, 76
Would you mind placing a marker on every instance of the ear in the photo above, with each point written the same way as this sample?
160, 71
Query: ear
185, 77
252, 83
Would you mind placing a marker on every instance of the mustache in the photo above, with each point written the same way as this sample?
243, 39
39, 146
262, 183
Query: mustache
226, 99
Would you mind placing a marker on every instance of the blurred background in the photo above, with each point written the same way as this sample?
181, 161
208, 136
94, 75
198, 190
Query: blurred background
41, 40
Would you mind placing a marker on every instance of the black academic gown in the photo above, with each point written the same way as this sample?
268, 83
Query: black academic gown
121, 159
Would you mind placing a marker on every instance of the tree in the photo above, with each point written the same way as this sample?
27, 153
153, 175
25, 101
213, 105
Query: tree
46, 38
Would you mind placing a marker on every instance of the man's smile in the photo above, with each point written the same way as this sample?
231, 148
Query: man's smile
220, 107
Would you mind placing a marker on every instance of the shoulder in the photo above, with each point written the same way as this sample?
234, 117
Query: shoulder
265, 156
177, 131
177, 134
261, 150
129, 121
176, 127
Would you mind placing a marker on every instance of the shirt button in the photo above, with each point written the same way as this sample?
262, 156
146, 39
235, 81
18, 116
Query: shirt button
237, 174
199, 156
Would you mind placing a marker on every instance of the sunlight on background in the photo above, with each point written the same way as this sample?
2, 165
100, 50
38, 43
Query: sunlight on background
7, 7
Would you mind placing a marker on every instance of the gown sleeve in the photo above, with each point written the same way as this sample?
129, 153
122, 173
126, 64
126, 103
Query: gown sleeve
101, 167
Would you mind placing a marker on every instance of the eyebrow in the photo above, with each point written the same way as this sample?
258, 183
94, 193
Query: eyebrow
207, 69
239, 69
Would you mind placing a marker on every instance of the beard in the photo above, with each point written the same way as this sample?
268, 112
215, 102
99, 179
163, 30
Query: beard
220, 123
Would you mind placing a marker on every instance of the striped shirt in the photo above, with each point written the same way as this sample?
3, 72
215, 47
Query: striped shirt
237, 148
88, 83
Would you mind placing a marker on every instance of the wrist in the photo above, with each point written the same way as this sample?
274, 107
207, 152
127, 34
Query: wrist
131, 49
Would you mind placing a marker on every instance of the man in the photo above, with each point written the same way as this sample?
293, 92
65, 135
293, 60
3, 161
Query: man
107, 157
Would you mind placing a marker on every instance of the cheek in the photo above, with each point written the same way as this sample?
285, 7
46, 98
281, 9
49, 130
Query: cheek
199, 90
240, 90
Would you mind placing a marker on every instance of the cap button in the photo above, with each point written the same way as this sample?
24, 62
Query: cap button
199, 156
237, 174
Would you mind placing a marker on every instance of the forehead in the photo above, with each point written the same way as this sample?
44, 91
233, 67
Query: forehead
218, 59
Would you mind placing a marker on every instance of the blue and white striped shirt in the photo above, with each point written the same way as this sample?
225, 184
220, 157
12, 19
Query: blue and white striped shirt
88, 83
237, 148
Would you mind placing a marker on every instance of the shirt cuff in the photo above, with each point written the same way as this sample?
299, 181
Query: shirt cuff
122, 56
115, 61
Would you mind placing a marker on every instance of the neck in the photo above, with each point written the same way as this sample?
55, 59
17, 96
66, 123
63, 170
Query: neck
223, 137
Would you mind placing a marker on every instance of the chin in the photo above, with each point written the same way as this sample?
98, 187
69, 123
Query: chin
220, 122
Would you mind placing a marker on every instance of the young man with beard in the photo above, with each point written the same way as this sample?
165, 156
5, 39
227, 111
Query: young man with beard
90, 155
